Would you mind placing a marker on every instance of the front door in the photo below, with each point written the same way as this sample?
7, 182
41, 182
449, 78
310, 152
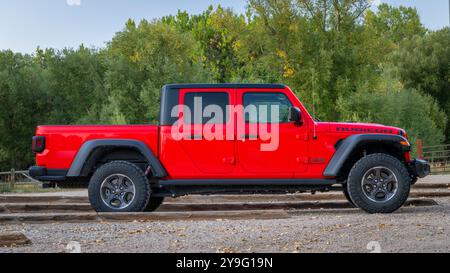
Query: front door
270, 143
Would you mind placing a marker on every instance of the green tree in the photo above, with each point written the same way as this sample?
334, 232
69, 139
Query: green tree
314, 46
24, 105
424, 64
417, 113
75, 83
394, 23
141, 59
218, 32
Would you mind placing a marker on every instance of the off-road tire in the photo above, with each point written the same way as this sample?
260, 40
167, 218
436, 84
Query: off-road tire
347, 196
355, 190
140, 181
154, 203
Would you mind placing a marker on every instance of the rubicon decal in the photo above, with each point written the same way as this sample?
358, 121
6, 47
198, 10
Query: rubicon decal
364, 130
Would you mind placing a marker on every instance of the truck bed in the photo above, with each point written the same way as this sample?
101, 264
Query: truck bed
62, 142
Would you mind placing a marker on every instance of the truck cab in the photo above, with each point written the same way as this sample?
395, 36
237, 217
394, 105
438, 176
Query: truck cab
228, 138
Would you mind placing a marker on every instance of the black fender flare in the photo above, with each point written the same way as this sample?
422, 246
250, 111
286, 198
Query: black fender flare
90, 146
348, 145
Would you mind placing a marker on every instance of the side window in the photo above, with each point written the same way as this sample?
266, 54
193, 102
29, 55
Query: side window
206, 107
265, 107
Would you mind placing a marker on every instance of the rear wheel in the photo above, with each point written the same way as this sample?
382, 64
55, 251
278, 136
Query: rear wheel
119, 186
379, 183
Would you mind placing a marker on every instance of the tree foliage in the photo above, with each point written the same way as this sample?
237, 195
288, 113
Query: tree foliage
423, 63
141, 59
417, 113
24, 103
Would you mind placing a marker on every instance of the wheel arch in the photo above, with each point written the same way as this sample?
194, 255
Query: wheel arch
93, 151
353, 148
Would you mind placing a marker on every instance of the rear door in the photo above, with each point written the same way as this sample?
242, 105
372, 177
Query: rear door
205, 119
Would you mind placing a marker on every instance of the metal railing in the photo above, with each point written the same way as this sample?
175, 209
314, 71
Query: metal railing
439, 158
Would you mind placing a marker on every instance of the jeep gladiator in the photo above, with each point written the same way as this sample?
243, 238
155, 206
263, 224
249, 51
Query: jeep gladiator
215, 139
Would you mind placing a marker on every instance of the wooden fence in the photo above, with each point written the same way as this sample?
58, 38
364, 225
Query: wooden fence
438, 156
9, 180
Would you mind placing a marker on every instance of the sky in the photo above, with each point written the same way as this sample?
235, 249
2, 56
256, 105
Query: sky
27, 24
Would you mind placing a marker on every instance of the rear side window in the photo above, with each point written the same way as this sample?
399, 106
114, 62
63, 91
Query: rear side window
210, 107
265, 107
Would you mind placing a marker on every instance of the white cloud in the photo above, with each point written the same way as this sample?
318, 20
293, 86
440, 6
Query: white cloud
73, 2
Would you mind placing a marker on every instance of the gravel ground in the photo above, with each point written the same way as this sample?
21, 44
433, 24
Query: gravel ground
417, 229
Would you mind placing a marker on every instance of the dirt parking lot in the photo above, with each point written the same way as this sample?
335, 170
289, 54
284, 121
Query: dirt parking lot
411, 229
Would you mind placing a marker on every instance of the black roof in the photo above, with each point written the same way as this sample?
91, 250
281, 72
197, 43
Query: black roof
224, 85
169, 95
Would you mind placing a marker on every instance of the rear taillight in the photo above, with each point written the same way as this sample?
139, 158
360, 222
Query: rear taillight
38, 144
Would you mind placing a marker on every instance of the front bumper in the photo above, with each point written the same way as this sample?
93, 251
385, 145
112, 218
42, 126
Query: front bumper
419, 168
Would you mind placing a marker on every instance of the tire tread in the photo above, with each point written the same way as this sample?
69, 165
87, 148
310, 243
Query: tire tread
355, 177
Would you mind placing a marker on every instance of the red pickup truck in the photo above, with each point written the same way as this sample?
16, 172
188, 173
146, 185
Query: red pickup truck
228, 138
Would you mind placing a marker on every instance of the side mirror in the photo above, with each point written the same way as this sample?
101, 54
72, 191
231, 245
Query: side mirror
295, 115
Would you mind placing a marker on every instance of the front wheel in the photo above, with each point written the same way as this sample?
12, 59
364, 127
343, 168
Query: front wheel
119, 186
347, 196
379, 183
